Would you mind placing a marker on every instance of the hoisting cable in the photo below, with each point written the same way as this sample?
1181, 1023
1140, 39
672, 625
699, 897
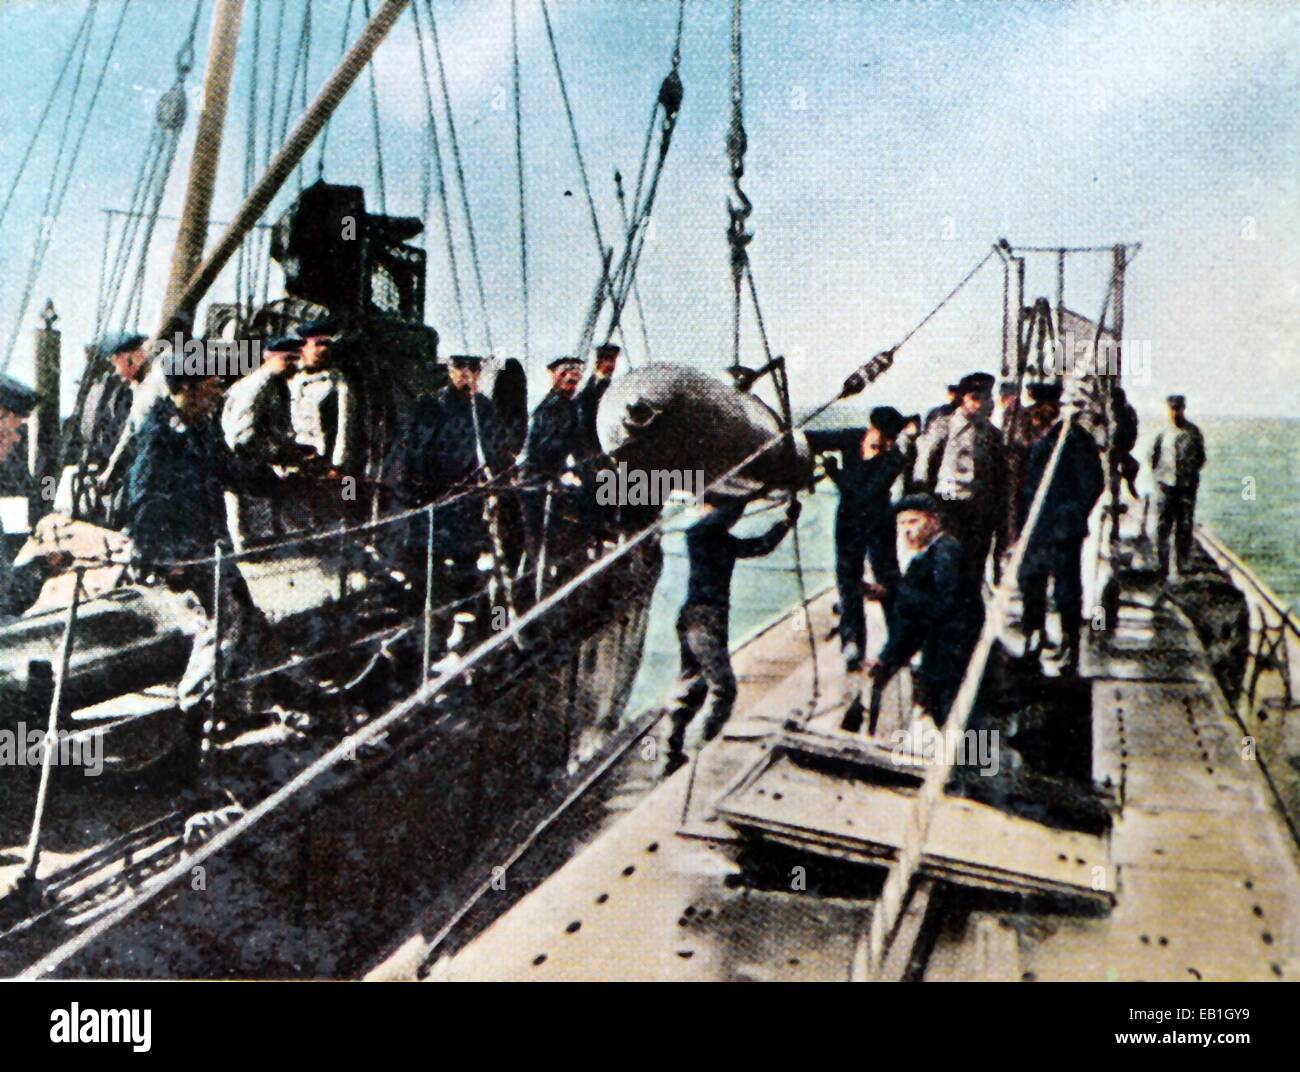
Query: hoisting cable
739, 210
346, 749
636, 290
435, 146
460, 176
54, 203
669, 101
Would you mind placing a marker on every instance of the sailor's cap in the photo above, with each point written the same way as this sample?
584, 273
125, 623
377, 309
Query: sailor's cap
919, 502
975, 383
608, 349
116, 342
283, 344
562, 362
1045, 392
1177, 401
887, 420
16, 397
465, 361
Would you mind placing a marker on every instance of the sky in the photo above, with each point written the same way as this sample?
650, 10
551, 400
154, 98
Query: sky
890, 145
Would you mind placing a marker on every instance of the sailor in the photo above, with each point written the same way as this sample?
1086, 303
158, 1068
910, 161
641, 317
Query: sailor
453, 443
175, 515
1176, 462
943, 410
1055, 547
145, 380
702, 623
597, 384
320, 398
864, 518
1124, 467
554, 452
258, 429
256, 417
938, 612
16, 404
1016, 439
962, 462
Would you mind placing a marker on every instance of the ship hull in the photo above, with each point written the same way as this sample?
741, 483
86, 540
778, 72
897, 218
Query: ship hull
392, 839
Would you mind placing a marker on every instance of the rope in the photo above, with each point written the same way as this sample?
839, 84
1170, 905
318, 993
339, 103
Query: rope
636, 290
460, 177
343, 47
436, 153
54, 203
375, 124
82, 28
519, 171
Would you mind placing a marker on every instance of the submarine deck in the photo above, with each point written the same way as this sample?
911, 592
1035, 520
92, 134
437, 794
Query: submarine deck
1197, 878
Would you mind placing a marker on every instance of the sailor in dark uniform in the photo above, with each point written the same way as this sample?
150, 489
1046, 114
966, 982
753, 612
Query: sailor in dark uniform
557, 447
602, 517
16, 404
1055, 546
864, 519
452, 444
596, 386
175, 514
1124, 466
702, 623
938, 612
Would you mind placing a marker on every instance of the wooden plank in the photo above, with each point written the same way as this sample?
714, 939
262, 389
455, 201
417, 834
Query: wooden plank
965, 837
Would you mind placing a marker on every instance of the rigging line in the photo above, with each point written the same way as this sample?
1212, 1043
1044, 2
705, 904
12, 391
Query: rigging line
261, 251
126, 240
947, 298
377, 131
636, 290
676, 66
435, 145
343, 47
669, 99
49, 105
244, 266
519, 170
582, 171
46, 236
166, 157
304, 43
301, 61
460, 176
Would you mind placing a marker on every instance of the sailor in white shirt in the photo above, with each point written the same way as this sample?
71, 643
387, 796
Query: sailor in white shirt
320, 399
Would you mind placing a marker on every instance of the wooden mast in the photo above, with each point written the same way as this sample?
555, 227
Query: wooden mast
226, 21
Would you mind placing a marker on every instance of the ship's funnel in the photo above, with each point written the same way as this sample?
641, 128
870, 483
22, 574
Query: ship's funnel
675, 417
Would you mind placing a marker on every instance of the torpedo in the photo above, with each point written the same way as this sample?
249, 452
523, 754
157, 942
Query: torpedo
666, 416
